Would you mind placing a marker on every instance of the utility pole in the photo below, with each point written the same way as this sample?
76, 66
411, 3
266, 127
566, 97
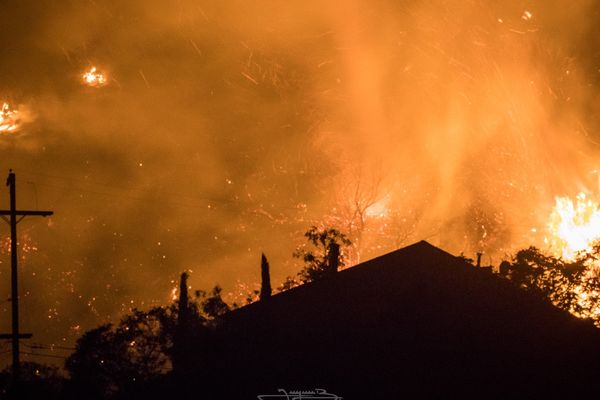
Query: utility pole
13, 213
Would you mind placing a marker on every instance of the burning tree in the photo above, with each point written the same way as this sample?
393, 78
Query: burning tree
570, 275
573, 286
358, 200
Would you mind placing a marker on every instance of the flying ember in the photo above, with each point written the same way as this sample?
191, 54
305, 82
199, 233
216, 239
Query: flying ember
94, 78
9, 120
574, 226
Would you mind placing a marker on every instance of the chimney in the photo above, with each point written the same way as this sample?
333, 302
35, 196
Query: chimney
265, 288
333, 257
479, 259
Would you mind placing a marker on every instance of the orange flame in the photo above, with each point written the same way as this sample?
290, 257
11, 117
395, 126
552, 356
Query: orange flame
94, 78
9, 119
574, 226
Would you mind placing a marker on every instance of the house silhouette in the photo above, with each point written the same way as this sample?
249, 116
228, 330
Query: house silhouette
416, 322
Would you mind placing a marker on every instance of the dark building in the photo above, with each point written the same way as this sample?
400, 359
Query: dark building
417, 322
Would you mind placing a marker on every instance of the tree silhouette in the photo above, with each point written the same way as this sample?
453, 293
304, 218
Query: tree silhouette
573, 286
290, 282
212, 305
37, 381
112, 358
319, 260
117, 358
265, 288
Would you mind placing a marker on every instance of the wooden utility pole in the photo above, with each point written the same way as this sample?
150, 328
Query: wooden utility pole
13, 213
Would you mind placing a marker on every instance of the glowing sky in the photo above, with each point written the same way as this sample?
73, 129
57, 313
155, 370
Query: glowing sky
227, 128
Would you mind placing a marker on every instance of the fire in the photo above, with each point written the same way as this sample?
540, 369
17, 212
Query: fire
94, 78
574, 229
574, 226
527, 15
378, 209
9, 119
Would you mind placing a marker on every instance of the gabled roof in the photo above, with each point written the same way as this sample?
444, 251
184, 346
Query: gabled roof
416, 318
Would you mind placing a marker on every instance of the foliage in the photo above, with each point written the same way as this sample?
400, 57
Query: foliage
111, 357
289, 283
115, 358
316, 260
37, 381
212, 305
572, 286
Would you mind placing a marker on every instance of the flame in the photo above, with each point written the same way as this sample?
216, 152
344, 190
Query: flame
378, 209
94, 78
574, 226
574, 229
527, 15
9, 119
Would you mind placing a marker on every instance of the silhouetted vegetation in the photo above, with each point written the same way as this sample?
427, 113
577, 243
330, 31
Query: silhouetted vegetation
111, 358
38, 381
119, 358
265, 287
212, 304
573, 286
317, 260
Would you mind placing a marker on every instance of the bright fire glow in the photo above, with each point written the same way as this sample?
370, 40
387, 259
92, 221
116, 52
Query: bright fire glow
94, 78
574, 226
378, 209
9, 119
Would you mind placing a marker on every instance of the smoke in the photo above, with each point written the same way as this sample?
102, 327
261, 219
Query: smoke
227, 128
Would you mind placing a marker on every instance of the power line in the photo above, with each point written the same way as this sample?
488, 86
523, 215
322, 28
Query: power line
44, 355
131, 188
47, 347
171, 195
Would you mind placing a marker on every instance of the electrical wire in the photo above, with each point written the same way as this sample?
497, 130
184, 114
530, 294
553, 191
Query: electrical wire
46, 347
44, 355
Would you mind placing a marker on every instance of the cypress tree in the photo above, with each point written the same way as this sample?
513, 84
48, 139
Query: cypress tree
265, 289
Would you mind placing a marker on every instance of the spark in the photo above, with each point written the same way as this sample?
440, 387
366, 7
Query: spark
94, 78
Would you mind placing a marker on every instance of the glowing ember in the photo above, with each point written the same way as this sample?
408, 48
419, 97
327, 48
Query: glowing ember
94, 78
527, 15
9, 119
574, 226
